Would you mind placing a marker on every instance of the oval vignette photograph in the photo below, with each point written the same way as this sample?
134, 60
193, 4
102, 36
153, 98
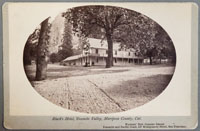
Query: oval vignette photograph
99, 59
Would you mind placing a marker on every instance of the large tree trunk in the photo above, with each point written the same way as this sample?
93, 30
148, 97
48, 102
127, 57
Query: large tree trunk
41, 60
27, 56
109, 60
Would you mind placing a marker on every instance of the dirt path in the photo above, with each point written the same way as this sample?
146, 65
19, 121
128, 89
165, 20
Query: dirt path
106, 92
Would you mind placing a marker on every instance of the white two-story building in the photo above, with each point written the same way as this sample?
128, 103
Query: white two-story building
98, 52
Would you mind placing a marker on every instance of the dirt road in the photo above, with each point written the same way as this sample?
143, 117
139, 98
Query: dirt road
100, 90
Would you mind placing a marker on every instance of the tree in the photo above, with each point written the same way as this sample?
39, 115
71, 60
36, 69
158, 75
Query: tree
167, 49
30, 47
53, 58
66, 49
42, 51
147, 38
86, 18
131, 29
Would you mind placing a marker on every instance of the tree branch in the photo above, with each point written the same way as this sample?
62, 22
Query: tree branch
116, 20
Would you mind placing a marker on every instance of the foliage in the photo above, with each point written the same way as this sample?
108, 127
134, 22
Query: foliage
132, 29
87, 20
66, 49
30, 46
147, 38
53, 58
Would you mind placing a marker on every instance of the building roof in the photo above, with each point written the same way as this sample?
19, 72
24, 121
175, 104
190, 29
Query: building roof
102, 44
75, 57
98, 43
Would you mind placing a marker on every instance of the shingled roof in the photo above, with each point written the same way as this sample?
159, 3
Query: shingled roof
102, 44
75, 57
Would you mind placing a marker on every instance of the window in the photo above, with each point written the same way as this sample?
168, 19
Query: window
129, 53
115, 60
106, 51
97, 51
115, 52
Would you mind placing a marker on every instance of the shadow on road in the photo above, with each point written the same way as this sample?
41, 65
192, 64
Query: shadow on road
66, 71
145, 86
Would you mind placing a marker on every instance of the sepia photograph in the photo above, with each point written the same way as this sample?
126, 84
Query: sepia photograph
100, 65
99, 59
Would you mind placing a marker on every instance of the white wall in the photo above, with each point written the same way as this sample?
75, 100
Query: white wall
102, 52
